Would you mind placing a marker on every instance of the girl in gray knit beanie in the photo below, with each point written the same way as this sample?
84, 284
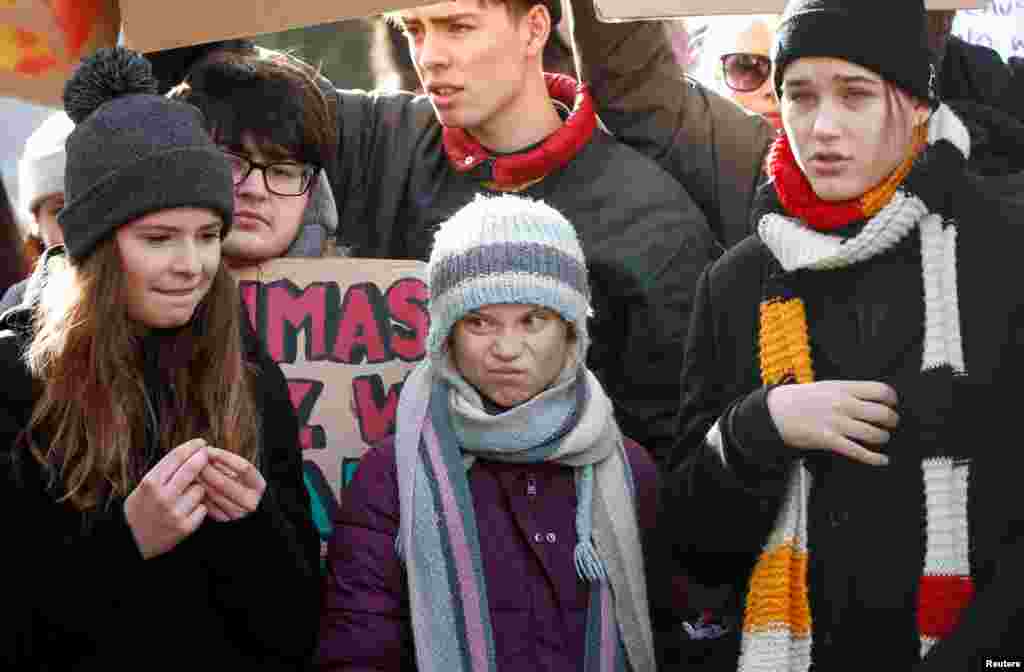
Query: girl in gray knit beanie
148, 439
502, 421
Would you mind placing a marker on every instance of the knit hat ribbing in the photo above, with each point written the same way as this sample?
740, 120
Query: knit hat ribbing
885, 36
133, 152
41, 166
506, 249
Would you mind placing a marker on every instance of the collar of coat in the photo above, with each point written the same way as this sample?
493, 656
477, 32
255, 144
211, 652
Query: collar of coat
507, 172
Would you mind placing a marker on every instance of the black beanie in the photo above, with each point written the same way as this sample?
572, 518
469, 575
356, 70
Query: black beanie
133, 152
885, 36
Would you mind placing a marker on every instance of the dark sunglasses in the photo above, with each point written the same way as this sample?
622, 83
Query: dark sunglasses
745, 72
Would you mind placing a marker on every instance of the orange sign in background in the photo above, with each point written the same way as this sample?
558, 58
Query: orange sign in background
42, 40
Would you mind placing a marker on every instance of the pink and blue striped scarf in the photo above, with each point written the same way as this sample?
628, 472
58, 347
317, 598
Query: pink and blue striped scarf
442, 428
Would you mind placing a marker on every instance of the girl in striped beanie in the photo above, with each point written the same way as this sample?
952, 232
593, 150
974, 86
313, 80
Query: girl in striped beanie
517, 495
849, 370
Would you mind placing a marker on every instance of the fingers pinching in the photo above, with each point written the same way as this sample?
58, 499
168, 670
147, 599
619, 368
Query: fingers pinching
167, 467
190, 499
189, 470
245, 472
233, 483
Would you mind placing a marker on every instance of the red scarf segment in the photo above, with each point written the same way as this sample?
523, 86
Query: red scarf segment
799, 200
798, 197
557, 150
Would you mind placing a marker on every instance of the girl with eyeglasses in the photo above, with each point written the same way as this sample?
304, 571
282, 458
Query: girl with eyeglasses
736, 62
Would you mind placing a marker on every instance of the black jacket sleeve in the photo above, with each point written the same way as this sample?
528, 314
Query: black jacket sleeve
265, 568
709, 144
731, 467
378, 137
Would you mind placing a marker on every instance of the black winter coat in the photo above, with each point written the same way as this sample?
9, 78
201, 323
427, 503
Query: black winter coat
243, 595
865, 523
644, 238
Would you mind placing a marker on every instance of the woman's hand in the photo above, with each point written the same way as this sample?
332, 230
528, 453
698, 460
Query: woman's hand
837, 416
167, 505
234, 487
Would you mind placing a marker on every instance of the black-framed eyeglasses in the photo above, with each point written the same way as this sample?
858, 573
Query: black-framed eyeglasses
745, 72
284, 178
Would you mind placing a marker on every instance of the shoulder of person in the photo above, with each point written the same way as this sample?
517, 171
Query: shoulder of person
17, 381
354, 105
14, 296
373, 491
645, 472
744, 262
611, 158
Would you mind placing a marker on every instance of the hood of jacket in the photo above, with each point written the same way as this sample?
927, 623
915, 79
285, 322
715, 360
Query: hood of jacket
319, 221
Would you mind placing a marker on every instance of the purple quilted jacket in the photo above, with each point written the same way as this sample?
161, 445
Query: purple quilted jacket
526, 516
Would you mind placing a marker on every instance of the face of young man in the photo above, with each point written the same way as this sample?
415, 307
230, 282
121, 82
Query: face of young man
510, 352
472, 58
169, 260
849, 129
266, 223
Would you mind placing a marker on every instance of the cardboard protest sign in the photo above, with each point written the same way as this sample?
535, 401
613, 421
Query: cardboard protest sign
345, 332
151, 25
41, 41
998, 25
635, 10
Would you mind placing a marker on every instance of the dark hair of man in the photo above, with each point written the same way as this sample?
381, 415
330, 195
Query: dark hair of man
268, 98
517, 9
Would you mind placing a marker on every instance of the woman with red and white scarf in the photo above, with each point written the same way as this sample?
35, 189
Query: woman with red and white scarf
849, 374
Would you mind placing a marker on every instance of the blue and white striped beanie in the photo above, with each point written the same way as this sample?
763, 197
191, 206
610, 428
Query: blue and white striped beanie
506, 249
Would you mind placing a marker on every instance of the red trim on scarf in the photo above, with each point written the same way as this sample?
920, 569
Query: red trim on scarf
940, 601
798, 197
558, 149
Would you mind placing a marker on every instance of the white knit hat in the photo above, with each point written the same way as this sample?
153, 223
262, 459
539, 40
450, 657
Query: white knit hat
41, 166
506, 249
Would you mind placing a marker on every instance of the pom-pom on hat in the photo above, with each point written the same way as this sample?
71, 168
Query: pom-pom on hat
133, 152
506, 249
887, 37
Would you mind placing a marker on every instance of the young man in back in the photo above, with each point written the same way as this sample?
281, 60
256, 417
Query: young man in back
492, 121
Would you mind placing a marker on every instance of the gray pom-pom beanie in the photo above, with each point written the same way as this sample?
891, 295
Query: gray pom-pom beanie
133, 152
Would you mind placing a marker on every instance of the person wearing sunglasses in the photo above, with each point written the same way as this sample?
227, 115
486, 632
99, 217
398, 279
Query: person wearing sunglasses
709, 144
269, 116
736, 50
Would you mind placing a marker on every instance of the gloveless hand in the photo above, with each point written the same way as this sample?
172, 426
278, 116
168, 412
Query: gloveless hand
167, 505
837, 416
233, 485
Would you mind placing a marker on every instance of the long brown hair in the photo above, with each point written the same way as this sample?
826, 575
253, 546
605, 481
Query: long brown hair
87, 355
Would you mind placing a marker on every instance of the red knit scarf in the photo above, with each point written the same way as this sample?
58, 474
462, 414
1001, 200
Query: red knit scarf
799, 200
512, 172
